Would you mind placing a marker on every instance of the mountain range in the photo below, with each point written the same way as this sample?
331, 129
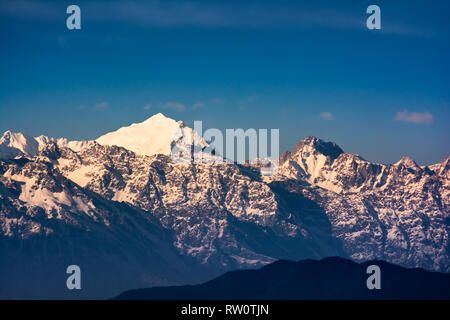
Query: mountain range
130, 217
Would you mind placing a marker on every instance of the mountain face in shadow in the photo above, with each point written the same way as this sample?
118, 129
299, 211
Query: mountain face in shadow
330, 278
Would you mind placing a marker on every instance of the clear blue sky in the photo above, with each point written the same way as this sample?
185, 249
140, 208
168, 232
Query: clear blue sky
305, 67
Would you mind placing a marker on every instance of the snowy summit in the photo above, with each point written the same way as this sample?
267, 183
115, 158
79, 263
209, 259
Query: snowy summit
153, 136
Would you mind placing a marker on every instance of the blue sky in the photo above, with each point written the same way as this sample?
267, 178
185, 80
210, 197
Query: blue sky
305, 67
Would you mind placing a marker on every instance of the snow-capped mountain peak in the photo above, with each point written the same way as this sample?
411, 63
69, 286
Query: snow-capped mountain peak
13, 144
156, 135
153, 136
407, 162
329, 149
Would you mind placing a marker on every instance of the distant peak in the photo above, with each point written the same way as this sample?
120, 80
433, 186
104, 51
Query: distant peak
445, 165
330, 149
12, 144
158, 116
407, 162
312, 139
12, 135
7, 133
19, 136
153, 136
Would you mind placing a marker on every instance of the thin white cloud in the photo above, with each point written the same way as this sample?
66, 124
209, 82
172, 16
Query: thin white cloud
174, 106
414, 117
101, 106
148, 106
198, 105
326, 116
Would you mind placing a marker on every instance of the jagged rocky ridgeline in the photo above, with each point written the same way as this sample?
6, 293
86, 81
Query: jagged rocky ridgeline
126, 212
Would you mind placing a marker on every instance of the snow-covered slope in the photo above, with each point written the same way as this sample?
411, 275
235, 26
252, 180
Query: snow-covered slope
76, 146
48, 222
19, 144
398, 213
156, 135
322, 202
14, 144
